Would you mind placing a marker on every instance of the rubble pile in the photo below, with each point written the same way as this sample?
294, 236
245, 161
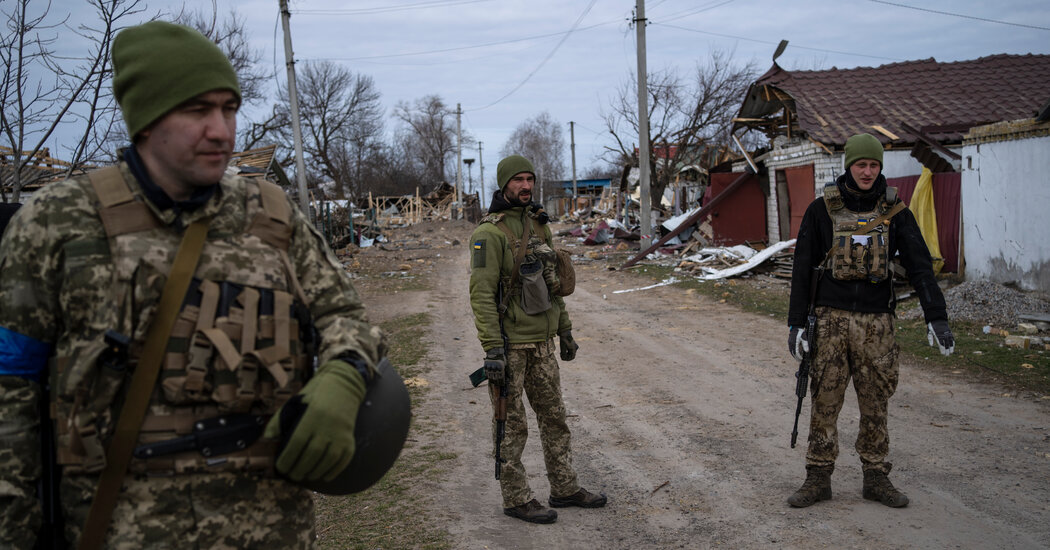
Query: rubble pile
987, 303
709, 262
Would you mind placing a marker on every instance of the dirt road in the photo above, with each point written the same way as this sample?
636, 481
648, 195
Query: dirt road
681, 413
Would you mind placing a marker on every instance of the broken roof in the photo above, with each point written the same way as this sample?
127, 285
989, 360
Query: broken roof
941, 100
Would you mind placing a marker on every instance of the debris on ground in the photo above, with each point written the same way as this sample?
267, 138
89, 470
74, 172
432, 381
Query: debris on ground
986, 303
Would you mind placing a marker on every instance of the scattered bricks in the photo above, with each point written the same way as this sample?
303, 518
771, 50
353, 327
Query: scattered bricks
997, 331
1022, 342
1027, 328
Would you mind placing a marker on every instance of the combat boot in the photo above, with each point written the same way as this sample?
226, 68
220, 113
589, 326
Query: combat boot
816, 488
532, 512
878, 487
582, 498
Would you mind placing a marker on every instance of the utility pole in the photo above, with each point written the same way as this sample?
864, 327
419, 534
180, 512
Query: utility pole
459, 162
481, 166
646, 209
297, 134
572, 149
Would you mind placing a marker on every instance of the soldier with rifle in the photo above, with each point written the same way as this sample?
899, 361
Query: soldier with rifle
841, 282
518, 311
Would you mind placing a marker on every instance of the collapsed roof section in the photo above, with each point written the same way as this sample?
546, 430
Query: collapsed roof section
904, 103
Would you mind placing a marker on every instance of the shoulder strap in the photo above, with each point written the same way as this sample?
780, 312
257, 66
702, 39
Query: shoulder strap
519, 255
120, 212
273, 224
896, 209
118, 455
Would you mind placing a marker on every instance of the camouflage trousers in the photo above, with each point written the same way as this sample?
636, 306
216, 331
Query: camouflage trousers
534, 369
197, 511
860, 346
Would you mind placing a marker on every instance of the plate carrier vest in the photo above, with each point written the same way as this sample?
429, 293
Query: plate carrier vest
242, 342
858, 257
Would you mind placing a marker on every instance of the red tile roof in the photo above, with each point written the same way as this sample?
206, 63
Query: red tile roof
943, 100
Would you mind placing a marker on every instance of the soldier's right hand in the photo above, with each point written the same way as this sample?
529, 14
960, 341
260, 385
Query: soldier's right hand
495, 366
316, 426
797, 343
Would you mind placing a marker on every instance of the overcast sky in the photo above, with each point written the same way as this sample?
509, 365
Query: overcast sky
506, 61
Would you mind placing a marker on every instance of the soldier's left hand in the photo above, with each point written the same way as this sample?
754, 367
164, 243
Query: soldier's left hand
568, 346
938, 331
319, 444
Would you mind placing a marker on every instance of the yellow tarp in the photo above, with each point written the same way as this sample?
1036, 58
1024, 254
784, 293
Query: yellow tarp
926, 215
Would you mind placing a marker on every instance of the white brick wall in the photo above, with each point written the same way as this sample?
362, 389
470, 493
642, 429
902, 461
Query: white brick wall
788, 153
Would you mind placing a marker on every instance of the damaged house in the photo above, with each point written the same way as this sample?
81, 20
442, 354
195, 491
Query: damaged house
927, 114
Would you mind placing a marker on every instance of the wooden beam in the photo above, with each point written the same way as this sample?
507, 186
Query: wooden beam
691, 220
822, 146
885, 132
930, 141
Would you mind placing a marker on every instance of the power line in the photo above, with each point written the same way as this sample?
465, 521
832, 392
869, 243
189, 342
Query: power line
961, 15
822, 50
386, 9
694, 11
546, 59
564, 35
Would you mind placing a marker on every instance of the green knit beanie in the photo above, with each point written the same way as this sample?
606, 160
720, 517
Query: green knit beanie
159, 65
863, 146
510, 167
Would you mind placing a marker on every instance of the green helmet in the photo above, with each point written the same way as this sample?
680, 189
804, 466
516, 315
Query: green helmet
380, 433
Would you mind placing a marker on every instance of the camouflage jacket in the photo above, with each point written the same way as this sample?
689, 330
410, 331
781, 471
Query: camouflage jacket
56, 280
492, 260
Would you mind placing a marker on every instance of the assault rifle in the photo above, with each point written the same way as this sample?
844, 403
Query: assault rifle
802, 376
499, 392
501, 399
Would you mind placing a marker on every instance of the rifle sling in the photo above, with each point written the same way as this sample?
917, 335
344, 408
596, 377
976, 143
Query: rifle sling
118, 455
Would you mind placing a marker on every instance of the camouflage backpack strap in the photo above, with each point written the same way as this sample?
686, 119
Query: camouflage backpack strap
273, 224
121, 213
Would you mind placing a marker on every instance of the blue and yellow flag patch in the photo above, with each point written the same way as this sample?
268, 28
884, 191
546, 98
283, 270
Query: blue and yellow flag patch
479, 253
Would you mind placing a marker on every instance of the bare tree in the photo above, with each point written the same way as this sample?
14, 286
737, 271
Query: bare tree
341, 117
42, 90
689, 123
428, 136
539, 139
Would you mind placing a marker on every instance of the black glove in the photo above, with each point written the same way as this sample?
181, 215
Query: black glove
797, 343
495, 366
940, 332
568, 346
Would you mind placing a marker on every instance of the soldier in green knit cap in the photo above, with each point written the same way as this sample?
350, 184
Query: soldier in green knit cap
842, 274
519, 313
85, 272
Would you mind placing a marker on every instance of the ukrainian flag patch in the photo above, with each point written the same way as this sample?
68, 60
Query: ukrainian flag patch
479, 253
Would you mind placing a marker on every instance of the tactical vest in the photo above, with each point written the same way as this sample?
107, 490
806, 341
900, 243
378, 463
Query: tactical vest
240, 343
537, 278
858, 257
